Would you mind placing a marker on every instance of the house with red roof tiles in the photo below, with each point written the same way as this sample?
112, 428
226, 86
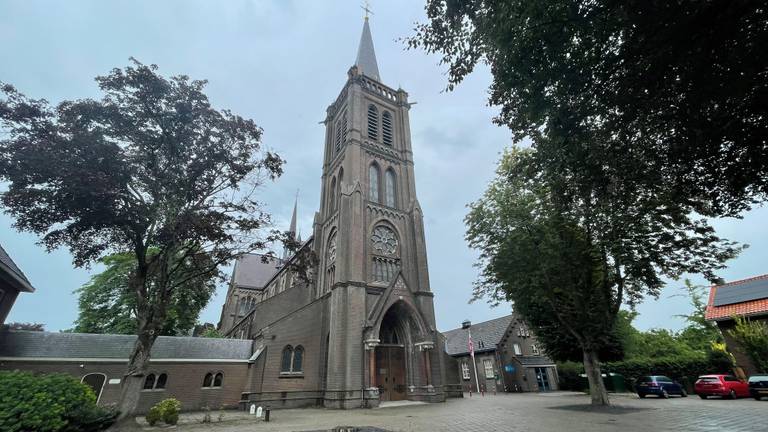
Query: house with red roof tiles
743, 298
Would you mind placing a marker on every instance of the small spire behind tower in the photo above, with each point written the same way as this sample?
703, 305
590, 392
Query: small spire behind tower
292, 228
366, 56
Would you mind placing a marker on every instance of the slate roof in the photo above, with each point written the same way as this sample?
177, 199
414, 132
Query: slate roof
366, 56
252, 272
19, 343
744, 297
485, 336
17, 277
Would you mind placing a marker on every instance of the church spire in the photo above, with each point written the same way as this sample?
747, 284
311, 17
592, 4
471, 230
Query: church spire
292, 229
366, 56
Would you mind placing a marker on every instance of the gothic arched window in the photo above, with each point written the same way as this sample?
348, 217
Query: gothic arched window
161, 380
333, 194
218, 379
373, 183
208, 380
386, 128
298, 359
330, 263
389, 182
373, 122
285, 362
149, 382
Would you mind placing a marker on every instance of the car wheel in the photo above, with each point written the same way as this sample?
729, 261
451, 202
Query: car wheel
703, 396
642, 396
664, 394
683, 393
758, 397
732, 394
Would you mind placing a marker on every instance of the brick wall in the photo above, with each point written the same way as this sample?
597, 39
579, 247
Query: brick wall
184, 383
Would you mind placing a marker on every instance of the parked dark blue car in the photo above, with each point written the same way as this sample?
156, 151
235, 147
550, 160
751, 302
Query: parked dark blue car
660, 386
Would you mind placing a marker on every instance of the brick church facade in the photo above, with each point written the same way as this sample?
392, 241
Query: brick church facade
362, 328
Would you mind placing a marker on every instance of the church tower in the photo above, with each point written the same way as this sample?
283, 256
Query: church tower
369, 239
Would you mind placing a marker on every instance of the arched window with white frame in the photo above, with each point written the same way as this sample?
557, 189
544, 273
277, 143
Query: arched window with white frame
373, 183
389, 191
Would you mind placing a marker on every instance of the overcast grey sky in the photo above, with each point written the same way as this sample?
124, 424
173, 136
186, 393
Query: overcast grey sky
282, 63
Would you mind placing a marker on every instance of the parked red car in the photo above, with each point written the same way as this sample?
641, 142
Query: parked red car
727, 386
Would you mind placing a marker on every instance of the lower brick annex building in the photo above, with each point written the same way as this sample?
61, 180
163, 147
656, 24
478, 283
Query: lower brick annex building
359, 331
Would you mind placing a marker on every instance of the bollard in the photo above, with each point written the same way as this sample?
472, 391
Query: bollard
266, 414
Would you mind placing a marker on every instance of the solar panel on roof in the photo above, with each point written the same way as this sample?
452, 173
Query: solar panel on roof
741, 292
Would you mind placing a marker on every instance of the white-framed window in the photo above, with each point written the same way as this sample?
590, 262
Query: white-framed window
518, 350
488, 366
535, 349
465, 370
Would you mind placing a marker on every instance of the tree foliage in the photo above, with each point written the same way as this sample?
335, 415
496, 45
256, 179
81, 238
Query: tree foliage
107, 305
752, 338
672, 94
569, 261
24, 326
149, 166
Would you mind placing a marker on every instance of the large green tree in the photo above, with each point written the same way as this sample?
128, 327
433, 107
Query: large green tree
670, 95
569, 261
107, 305
151, 166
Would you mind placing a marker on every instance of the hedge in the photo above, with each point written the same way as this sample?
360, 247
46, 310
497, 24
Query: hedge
685, 370
53, 402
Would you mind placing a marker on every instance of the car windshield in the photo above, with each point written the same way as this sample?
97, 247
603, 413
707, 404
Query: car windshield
663, 379
709, 379
757, 378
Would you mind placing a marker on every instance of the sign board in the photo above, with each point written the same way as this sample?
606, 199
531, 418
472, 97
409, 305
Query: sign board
114, 381
509, 368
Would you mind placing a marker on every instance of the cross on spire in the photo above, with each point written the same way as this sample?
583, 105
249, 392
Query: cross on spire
367, 8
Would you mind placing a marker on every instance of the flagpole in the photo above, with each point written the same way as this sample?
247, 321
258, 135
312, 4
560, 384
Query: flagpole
472, 354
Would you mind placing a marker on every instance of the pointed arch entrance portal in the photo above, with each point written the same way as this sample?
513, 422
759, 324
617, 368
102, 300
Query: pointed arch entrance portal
394, 370
390, 358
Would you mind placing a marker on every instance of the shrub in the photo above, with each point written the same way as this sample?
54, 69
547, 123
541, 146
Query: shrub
51, 402
684, 369
154, 415
568, 373
166, 410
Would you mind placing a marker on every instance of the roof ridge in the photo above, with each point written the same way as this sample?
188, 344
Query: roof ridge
741, 281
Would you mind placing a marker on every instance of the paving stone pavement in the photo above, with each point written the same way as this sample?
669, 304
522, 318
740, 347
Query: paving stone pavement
557, 411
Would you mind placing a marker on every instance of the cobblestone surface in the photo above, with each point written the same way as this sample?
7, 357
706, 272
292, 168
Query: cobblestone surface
557, 411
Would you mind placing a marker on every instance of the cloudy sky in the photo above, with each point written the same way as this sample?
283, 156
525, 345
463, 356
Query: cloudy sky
282, 63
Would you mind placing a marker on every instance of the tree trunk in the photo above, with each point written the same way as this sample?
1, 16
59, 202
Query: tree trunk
595, 378
133, 380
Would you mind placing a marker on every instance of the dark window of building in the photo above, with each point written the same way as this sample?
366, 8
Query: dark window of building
218, 379
298, 358
386, 128
161, 380
149, 382
208, 380
96, 382
373, 122
285, 364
